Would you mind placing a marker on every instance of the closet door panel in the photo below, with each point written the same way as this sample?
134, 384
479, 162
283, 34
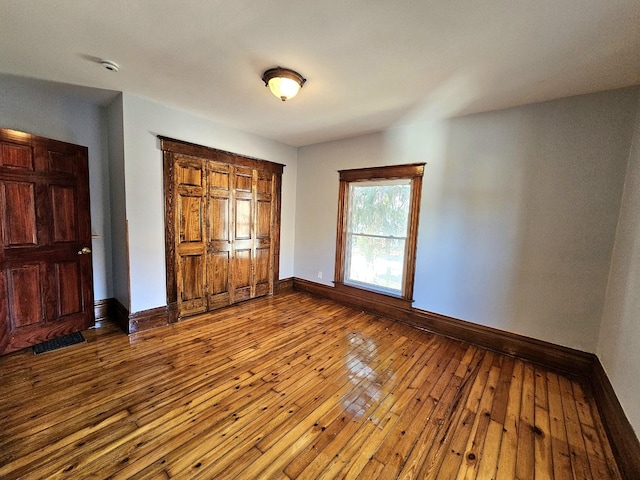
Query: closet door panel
243, 208
243, 220
241, 274
262, 271
218, 280
263, 216
220, 239
191, 211
219, 177
190, 186
218, 219
263, 262
243, 179
264, 185
242, 186
191, 268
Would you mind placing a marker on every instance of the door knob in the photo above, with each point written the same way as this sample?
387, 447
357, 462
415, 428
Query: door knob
84, 251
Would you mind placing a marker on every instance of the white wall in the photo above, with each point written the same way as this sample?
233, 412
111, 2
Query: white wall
518, 213
619, 345
143, 121
317, 201
41, 111
119, 241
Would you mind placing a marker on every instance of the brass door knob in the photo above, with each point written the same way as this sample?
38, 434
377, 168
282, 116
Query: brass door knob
84, 251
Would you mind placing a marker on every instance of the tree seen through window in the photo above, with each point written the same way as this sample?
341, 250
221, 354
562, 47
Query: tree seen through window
377, 233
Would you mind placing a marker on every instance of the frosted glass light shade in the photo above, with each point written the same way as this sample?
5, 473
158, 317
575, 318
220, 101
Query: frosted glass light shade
284, 88
283, 83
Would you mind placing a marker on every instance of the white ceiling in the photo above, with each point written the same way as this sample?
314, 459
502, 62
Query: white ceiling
369, 64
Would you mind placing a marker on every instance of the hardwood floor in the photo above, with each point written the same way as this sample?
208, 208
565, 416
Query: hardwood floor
292, 387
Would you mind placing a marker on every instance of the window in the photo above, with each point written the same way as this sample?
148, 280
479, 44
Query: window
376, 236
377, 229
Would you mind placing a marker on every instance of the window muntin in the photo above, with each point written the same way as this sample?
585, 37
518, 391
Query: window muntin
376, 234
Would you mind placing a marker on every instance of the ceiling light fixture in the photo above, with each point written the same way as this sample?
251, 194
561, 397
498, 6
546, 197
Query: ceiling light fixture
283, 82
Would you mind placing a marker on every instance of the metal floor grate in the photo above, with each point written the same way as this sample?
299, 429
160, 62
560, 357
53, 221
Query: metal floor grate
60, 342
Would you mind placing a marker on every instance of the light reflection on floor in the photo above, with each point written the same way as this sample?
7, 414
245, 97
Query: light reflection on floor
362, 362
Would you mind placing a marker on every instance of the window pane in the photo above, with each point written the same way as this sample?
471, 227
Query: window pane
376, 234
380, 208
377, 222
376, 261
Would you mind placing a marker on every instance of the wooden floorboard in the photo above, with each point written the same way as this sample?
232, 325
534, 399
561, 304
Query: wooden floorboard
292, 387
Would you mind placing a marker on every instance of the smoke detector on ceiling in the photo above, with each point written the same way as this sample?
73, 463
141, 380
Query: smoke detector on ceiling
109, 65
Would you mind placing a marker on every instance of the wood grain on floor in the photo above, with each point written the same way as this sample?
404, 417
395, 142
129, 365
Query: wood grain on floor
292, 387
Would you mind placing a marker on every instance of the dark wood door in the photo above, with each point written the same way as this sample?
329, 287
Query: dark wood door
46, 284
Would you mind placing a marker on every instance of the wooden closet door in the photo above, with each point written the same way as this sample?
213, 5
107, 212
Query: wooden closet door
240, 214
190, 187
220, 241
222, 229
243, 214
264, 230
